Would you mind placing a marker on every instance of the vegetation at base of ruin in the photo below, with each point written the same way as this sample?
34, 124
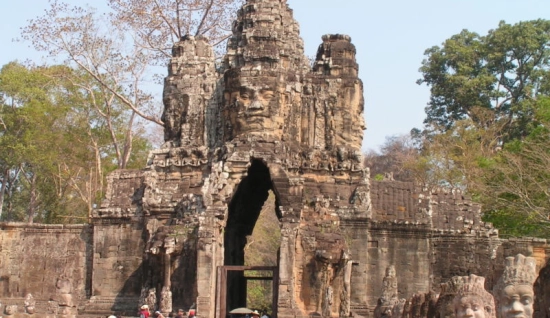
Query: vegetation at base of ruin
261, 250
487, 126
59, 136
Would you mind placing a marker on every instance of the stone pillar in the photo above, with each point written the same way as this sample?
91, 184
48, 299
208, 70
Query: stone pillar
286, 303
165, 305
345, 305
206, 265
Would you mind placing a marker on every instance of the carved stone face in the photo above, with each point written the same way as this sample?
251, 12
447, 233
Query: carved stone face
390, 271
516, 301
11, 310
469, 307
254, 105
30, 310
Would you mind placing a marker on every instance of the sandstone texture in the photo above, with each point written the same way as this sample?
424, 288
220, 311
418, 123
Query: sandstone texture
265, 119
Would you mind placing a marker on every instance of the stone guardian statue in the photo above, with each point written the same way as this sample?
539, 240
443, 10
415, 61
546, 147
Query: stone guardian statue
514, 291
472, 300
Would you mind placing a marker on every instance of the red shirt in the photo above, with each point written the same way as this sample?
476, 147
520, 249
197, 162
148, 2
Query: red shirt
145, 312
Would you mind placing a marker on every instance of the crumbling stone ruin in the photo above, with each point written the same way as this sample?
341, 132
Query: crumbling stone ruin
265, 120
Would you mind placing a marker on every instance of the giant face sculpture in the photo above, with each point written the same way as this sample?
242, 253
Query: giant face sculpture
253, 105
514, 291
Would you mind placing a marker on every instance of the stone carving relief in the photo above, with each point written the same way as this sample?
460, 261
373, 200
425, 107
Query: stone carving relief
64, 290
266, 103
190, 204
30, 304
420, 305
362, 201
165, 299
389, 305
322, 207
444, 307
513, 292
253, 103
66, 306
149, 297
472, 300
10, 310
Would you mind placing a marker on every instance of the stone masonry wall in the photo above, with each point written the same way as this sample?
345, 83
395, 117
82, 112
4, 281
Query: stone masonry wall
117, 261
407, 247
34, 258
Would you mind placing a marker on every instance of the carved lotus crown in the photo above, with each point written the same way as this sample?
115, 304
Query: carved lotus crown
451, 287
474, 286
518, 270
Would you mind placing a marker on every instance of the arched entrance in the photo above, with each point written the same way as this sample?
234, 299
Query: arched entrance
244, 211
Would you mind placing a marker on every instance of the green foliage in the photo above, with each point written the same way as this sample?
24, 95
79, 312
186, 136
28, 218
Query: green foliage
262, 250
501, 73
515, 188
57, 144
487, 122
511, 223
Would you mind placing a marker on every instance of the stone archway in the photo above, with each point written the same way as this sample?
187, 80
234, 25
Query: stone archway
244, 210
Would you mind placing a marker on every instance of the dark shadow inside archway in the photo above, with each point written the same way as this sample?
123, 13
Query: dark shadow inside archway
244, 210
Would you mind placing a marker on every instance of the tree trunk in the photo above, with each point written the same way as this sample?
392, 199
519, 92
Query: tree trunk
32, 203
4, 179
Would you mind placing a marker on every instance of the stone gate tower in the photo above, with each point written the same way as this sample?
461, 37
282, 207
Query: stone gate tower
267, 122
263, 121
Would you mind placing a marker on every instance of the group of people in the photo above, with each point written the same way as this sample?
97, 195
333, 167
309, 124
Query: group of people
145, 313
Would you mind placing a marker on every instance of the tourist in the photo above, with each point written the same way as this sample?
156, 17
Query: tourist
191, 313
158, 314
181, 313
255, 314
144, 312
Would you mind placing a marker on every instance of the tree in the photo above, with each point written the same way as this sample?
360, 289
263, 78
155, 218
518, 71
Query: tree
501, 74
120, 50
29, 120
57, 146
158, 24
515, 187
396, 158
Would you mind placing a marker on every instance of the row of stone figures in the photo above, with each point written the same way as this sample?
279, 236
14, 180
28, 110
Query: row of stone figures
465, 296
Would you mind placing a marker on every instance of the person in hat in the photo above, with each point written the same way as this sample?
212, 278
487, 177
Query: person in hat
255, 314
144, 312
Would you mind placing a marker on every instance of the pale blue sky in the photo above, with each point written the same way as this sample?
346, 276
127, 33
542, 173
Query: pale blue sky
390, 37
